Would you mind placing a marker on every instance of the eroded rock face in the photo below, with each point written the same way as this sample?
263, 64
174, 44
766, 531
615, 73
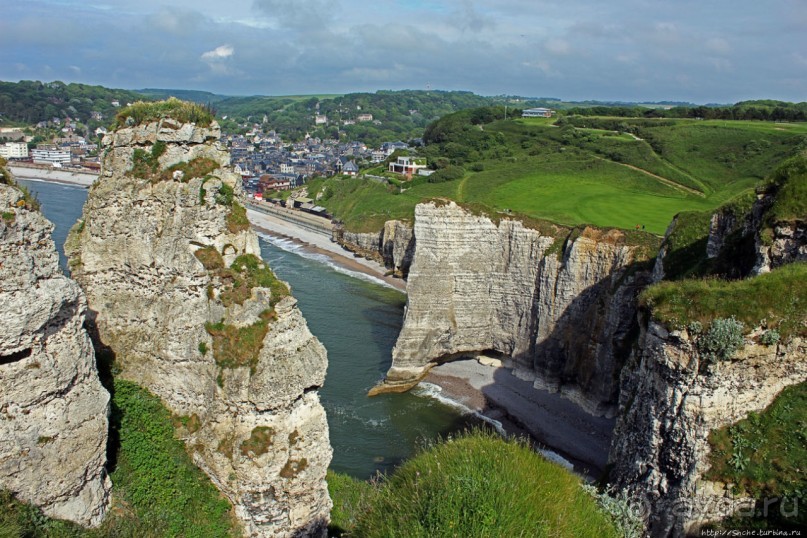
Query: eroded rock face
670, 402
788, 244
241, 367
393, 246
563, 314
53, 409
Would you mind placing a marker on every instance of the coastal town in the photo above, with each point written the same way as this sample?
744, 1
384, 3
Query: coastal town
265, 160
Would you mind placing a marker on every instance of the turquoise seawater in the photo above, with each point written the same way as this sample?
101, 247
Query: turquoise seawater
358, 320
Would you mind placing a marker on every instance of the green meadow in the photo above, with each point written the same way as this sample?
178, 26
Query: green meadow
609, 172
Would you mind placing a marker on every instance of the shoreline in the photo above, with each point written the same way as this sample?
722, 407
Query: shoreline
65, 177
318, 243
555, 426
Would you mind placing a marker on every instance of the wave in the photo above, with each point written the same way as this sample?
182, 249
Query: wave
290, 245
61, 184
345, 414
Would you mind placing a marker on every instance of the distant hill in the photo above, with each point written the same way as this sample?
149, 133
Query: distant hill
29, 102
195, 96
573, 170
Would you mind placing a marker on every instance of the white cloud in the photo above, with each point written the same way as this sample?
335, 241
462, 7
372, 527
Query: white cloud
559, 47
219, 53
718, 45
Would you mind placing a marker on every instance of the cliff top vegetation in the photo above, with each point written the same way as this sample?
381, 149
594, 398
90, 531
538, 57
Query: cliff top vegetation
608, 172
775, 300
474, 485
143, 112
687, 238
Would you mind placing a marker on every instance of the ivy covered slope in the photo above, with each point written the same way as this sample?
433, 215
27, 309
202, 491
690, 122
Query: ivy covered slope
714, 353
191, 312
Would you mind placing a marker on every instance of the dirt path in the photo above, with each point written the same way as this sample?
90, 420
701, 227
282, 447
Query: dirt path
668, 182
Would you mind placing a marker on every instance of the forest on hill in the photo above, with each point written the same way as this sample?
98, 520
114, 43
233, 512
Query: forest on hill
30, 102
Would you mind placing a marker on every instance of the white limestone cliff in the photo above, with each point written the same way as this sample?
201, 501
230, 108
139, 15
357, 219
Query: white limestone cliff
562, 311
670, 401
393, 246
53, 409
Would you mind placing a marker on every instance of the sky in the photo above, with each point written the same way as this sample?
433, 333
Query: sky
700, 51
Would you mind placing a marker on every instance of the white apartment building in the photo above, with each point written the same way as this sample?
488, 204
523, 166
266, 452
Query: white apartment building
50, 156
14, 150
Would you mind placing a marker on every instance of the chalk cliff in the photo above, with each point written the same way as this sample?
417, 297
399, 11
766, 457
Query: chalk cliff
53, 409
559, 304
393, 246
181, 297
672, 396
671, 400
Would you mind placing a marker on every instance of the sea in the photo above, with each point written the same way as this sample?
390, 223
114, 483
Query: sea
357, 318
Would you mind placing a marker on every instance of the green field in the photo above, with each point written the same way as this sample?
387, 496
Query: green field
591, 174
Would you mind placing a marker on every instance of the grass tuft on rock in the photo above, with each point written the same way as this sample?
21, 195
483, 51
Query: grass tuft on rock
143, 112
237, 220
475, 485
259, 442
236, 347
198, 167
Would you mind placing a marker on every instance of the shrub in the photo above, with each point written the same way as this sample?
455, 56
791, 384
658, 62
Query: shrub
770, 337
722, 340
225, 195
146, 164
624, 514
449, 173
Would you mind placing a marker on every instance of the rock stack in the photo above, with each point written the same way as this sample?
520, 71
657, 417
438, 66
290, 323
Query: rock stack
181, 297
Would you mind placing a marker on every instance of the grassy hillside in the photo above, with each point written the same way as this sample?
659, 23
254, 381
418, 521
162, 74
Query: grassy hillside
28, 102
581, 172
475, 485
